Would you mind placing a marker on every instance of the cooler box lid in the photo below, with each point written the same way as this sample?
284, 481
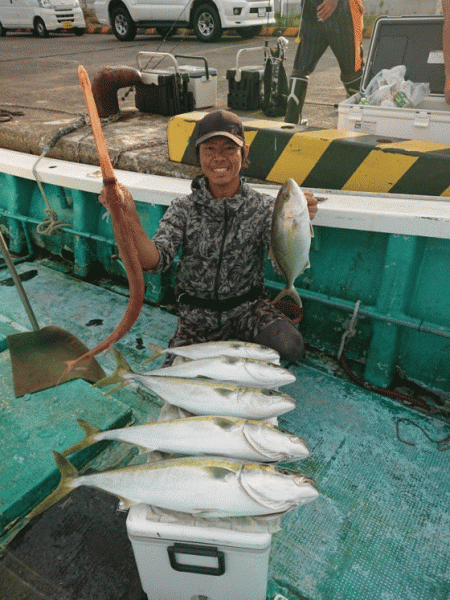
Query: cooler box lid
149, 77
139, 526
415, 42
195, 72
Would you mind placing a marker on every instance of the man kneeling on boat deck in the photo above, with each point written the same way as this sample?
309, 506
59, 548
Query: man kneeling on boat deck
223, 228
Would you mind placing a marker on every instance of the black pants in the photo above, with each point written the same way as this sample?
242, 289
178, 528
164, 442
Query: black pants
342, 32
255, 321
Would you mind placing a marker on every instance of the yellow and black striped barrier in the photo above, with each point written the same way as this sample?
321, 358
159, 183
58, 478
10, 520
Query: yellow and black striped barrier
329, 158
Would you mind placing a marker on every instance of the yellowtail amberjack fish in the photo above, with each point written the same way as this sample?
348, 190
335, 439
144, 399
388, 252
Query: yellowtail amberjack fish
203, 396
205, 435
208, 487
291, 236
221, 348
246, 371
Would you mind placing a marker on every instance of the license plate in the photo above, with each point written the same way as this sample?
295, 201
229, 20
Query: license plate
67, 24
261, 12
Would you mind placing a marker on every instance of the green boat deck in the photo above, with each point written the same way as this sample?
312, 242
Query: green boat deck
380, 529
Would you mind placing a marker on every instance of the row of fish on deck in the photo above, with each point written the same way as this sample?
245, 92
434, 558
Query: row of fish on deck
227, 390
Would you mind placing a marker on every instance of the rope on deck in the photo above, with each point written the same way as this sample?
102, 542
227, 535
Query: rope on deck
404, 398
441, 445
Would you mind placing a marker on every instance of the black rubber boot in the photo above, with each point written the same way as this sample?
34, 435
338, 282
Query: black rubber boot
285, 338
296, 99
352, 84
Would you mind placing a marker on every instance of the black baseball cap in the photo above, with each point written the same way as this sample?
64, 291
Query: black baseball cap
223, 123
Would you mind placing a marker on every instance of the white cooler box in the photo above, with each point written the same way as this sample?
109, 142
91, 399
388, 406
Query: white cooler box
202, 82
182, 562
415, 42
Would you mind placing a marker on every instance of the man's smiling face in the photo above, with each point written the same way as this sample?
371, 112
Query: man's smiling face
221, 160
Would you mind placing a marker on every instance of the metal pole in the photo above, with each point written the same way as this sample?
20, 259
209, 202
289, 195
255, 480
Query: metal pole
366, 311
15, 277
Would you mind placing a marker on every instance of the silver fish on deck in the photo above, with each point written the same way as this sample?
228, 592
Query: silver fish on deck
290, 236
205, 435
204, 396
208, 487
220, 348
246, 371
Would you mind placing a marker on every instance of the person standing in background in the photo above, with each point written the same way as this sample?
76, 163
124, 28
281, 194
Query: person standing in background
443, 7
337, 24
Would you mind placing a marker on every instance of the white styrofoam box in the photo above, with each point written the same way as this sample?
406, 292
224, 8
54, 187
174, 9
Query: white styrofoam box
429, 121
184, 562
203, 88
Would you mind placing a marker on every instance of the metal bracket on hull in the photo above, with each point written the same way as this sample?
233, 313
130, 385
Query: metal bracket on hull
350, 332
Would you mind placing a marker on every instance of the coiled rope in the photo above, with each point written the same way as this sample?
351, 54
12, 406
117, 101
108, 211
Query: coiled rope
52, 224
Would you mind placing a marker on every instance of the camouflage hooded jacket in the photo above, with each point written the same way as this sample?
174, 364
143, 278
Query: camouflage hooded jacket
223, 241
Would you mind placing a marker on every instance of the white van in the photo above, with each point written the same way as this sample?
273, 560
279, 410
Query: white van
208, 18
42, 16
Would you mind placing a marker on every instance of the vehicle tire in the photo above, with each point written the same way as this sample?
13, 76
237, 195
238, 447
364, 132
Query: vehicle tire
40, 29
166, 32
2, 31
206, 23
79, 30
248, 32
123, 26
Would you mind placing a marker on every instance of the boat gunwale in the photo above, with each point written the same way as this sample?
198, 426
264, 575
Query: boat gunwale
401, 214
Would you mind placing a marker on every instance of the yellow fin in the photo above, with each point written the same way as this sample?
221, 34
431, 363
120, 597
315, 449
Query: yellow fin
90, 431
122, 367
157, 351
68, 473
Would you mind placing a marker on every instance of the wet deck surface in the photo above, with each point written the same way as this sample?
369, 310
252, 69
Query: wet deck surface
380, 528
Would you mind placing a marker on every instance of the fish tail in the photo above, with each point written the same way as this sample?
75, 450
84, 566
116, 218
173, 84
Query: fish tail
68, 473
122, 367
157, 351
289, 291
90, 431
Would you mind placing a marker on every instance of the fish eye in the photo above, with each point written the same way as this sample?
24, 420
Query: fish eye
302, 480
283, 430
292, 436
296, 440
285, 471
270, 392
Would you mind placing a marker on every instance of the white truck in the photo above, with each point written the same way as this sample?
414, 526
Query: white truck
208, 18
42, 16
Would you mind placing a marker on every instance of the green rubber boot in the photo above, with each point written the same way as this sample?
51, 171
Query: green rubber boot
296, 99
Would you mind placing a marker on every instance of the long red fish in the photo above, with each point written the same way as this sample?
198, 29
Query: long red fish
118, 198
